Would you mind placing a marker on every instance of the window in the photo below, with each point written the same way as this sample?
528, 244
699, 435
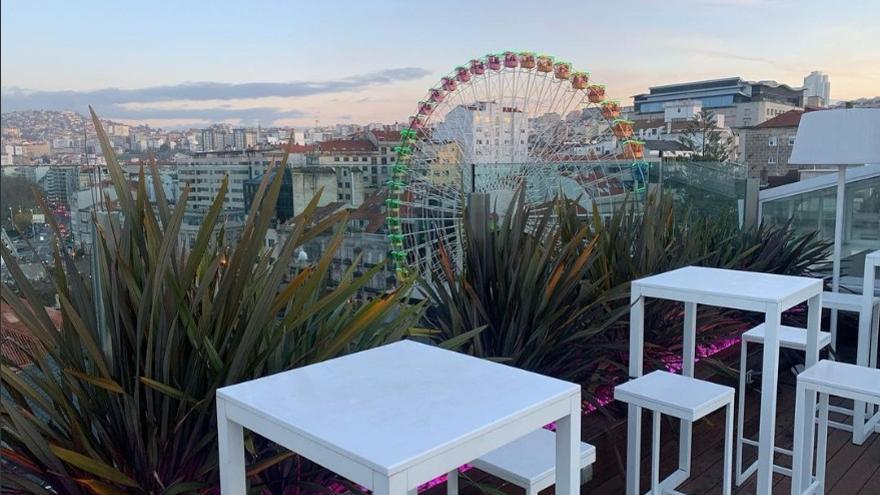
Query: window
345, 159
771, 160
773, 141
791, 140
384, 160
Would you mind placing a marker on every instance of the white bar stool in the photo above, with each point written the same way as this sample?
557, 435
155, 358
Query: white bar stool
687, 399
529, 463
825, 378
872, 264
789, 338
867, 306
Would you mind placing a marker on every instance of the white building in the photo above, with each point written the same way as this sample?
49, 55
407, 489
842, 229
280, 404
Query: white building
487, 133
204, 172
81, 205
243, 139
231, 222
307, 181
817, 84
683, 110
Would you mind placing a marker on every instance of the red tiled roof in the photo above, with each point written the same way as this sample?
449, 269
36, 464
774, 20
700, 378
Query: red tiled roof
325, 211
299, 148
387, 136
790, 118
17, 342
371, 210
345, 145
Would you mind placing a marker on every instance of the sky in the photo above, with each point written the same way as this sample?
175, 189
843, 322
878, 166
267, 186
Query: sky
190, 63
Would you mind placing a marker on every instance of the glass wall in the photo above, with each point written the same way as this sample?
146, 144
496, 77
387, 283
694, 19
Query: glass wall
708, 188
815, 210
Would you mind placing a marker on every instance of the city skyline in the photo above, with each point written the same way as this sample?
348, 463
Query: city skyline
272, 64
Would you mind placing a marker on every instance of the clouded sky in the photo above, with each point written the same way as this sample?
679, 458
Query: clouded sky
176, 63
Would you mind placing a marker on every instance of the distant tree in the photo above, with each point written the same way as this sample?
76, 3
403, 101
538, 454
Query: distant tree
22, 220
706, 139
165, 148
15, 194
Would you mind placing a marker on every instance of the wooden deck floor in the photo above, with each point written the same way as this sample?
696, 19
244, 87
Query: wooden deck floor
851, 469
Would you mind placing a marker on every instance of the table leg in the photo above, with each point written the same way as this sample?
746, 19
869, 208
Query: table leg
728, 451
655, 453
633, 448
452, 482
798, 463
393, 485
231, 453
814, 319
740, 411
769, 376
568, 449
634, 413
636, 333
688, 361
822, 442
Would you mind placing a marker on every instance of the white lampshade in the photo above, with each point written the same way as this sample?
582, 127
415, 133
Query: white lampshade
838, 137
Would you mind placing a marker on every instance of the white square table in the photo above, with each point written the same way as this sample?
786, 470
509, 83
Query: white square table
749, 291
394, 417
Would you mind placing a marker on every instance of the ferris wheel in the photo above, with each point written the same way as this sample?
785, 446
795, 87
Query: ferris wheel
497, 124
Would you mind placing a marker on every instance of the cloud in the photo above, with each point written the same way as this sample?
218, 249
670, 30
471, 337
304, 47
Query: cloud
200, 100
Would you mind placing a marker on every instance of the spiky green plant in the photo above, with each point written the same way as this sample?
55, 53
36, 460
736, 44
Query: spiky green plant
130, 409
528, 289
554, 296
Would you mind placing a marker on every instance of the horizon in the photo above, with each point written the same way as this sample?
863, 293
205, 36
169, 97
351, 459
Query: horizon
221, 65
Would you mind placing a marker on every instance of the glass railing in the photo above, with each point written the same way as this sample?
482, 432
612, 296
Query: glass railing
606, 183
707, 188
436, 203
811, 206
